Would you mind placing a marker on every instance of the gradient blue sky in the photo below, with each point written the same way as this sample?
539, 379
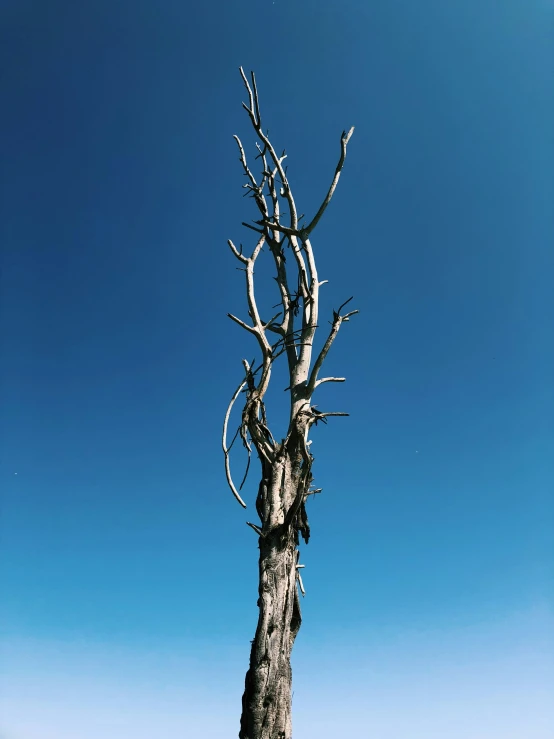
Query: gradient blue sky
127, 572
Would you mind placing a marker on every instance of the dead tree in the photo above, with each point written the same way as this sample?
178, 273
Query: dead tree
286, 466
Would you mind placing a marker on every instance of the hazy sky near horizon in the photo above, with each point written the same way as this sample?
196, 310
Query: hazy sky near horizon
128, 575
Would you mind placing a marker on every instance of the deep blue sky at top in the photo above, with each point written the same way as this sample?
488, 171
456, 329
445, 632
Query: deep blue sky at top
119, 188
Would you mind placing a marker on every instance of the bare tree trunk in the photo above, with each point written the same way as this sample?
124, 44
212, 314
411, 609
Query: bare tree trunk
286, 467
266, 703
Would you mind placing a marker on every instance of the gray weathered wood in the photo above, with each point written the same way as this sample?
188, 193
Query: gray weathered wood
286, 467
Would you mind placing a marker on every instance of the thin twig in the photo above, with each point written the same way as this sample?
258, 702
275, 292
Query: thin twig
257, 529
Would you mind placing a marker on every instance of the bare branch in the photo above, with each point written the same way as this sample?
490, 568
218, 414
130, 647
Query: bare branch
256, 100
344, 139
345, 303
254, 113
282, 229
233, 439
329, 379
226, 449
253, 228
268, 324
247, 469
276, 329
257, 529
250, 95
301, 584
335, 326
244, 163
252, 329
239, 255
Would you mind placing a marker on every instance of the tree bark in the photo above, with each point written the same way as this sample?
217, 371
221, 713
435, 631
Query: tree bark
266, 703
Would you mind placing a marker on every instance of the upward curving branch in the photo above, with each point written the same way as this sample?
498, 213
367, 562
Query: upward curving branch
344, 139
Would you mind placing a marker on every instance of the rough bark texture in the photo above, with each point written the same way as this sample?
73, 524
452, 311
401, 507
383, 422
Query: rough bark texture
287, 466
266, 703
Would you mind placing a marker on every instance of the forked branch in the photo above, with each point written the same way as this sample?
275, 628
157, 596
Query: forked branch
269, 188
338, 320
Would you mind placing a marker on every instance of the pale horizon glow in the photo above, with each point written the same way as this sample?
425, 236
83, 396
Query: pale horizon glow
484, 681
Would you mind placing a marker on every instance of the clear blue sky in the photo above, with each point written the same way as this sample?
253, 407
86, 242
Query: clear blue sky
128, 573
